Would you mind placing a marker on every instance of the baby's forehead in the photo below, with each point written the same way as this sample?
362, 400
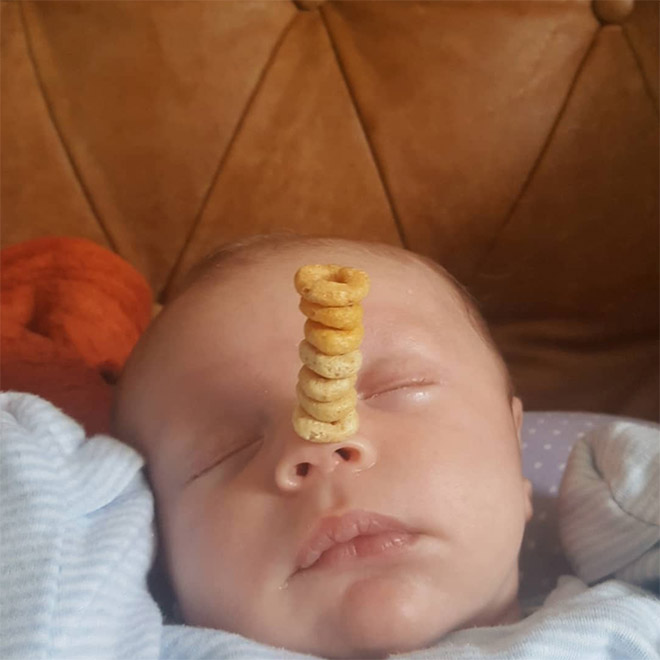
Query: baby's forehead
255, 299
392, 272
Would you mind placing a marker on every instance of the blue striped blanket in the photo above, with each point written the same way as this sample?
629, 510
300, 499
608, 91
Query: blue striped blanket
77, 540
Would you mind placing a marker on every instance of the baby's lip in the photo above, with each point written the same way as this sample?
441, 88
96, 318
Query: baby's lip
334, 530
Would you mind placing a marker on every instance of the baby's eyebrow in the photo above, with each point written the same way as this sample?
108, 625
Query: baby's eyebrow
401, 365
229, 426
421, 348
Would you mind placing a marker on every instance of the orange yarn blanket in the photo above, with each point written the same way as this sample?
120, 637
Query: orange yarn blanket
71, 314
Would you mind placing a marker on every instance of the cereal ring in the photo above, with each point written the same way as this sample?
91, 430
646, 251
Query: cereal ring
342, 318
315, 431
330, 366
324, 389
331, 341
330, 285
327, 411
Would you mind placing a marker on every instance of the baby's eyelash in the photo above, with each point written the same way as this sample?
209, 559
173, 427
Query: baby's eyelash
222, 459
408, 384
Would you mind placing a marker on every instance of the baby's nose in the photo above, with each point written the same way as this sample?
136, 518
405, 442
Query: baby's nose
303, 462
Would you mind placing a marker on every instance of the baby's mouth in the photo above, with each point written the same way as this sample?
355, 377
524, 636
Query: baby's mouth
341, 540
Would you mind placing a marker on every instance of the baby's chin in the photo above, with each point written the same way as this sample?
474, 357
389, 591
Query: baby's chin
382, 615
392, 614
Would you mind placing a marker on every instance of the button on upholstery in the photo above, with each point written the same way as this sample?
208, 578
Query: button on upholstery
308, 5
612, 11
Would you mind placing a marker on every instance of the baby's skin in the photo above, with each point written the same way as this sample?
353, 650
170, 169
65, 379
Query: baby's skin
381, 543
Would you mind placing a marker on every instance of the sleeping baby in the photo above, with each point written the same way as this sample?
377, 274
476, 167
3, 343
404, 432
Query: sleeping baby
368, 503
389, 539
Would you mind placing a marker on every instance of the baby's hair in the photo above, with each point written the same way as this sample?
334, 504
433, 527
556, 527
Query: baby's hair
252, 249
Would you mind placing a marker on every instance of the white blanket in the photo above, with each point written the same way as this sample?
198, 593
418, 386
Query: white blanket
77, 540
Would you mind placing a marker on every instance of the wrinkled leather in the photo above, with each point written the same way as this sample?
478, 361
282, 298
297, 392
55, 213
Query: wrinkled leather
514, 142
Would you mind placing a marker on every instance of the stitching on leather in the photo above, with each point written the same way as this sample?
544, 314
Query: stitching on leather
58, 132
379, 169
642, 72
162, 295
536, 164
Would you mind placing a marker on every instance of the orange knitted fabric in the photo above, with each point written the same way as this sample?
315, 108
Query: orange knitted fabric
71, 314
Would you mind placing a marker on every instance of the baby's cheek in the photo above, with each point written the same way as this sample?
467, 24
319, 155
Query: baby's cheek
447, 468
234, 550
200, 560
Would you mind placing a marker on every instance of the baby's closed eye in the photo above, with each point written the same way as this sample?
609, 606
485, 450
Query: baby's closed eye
400, 395
230, 459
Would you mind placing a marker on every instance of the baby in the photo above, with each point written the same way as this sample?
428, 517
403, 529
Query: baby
381, 543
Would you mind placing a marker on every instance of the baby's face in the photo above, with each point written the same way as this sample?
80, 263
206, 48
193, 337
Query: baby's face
245, 504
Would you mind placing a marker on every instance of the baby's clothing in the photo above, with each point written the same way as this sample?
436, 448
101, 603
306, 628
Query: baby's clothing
78, 540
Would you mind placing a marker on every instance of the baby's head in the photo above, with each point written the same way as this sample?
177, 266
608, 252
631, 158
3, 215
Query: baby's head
244, 504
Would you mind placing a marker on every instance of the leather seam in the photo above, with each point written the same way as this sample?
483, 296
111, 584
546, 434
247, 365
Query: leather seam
223, 159
537, 161
370, 146
58, 132
640, 68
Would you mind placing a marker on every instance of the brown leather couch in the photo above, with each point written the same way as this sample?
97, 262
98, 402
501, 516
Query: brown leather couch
514, 142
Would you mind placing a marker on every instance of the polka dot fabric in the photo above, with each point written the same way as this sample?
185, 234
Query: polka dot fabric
547, 439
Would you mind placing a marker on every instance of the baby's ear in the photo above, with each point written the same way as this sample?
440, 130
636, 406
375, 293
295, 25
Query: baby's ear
527, 495
517, 413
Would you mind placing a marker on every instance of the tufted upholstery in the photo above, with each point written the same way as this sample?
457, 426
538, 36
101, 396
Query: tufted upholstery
514, 142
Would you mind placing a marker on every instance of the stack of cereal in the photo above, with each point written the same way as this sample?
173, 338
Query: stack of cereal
331, 300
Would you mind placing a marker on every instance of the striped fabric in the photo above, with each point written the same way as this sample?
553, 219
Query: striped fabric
75, 538
609, 504
77, 541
